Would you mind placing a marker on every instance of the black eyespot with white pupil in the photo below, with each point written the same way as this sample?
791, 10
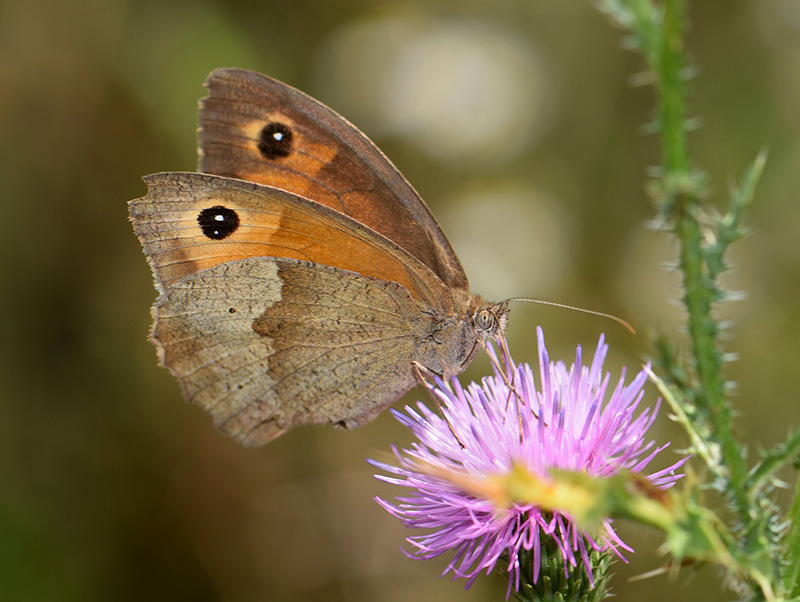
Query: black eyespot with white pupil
484, 320
218, 222
275, 140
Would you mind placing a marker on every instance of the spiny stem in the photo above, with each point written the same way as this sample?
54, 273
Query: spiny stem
791, 572
671, 90
683, 195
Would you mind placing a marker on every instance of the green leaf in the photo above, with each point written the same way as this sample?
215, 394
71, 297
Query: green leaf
771, 462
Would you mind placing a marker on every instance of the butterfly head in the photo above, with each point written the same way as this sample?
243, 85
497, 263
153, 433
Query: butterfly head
490, 319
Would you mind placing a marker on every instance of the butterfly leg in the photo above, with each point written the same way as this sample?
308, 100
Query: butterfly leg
504, 368
422, 374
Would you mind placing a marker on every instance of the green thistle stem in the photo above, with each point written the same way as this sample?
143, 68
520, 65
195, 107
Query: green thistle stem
791, 572
659, 34
683, 192
671, 90
758, 548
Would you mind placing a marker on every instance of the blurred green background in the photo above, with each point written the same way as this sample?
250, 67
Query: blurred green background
517, 121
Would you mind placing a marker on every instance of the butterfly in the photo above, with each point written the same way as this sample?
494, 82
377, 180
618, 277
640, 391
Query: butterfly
300, 278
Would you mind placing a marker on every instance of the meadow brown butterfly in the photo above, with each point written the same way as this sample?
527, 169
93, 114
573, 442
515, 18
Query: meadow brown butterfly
301, 278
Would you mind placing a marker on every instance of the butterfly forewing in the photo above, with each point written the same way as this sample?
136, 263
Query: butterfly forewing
256, 128
190, 222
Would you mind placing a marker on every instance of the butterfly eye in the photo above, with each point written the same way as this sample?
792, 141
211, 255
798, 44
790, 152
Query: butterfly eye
218, 222
484, 320
275, 140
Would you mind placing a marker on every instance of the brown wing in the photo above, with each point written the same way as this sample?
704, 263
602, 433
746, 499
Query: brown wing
190, 222
255, 128
264, 344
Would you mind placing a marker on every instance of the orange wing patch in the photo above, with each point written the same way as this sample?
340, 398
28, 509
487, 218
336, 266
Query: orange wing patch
256, 221
300, 170
259, 129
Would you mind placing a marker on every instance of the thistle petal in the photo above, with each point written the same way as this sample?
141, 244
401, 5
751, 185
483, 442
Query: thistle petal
569, 421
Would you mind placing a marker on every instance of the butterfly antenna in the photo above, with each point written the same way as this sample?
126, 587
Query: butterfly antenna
627, 325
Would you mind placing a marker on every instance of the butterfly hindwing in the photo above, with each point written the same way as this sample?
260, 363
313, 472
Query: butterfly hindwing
263, 344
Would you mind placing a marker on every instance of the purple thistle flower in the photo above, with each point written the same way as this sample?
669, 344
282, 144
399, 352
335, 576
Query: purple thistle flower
486, 430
